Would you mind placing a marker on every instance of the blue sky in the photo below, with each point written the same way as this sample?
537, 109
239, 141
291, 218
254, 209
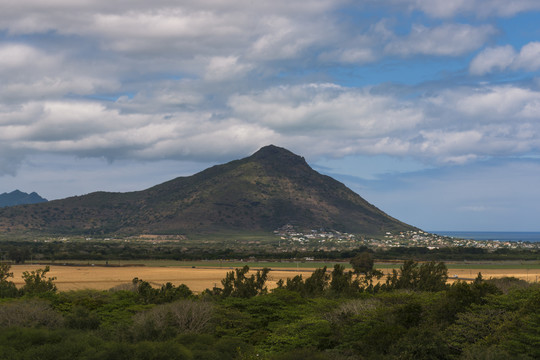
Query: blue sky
429, 109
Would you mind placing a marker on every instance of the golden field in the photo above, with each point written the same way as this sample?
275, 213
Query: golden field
200, 278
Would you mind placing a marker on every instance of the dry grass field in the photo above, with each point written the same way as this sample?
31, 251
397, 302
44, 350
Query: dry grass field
200, 278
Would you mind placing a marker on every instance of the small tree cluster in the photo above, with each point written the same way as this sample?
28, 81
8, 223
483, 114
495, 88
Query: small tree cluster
429, 276
315, 285
166, 294
340, 281
237, 284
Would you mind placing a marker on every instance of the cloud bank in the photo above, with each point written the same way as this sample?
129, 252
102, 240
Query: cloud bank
209, 79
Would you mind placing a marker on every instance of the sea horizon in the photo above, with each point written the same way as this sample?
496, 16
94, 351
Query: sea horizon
525, 236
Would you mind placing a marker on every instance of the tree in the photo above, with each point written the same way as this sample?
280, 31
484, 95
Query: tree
317, 283
7, 288
35, 282
4, 272
362, 263
430, 276
19, 255
342, 281
237, 284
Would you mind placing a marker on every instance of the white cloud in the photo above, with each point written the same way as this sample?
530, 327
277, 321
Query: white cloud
30, 73
503, 58
444, 40
490, 59
453, 126
225, 68
20, 61
325, 109
529, 57
90, 129
130, 79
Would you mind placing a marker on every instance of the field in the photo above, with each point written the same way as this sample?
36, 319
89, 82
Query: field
202, 275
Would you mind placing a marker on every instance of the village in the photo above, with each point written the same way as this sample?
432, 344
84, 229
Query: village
332, 240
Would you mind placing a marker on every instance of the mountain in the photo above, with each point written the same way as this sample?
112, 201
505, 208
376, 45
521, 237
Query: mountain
260, 193
20, 198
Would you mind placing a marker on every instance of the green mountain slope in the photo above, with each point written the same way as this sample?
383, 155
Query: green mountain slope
260, 193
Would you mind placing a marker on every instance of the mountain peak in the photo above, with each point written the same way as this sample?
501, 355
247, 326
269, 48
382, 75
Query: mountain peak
18, 197
278, 155
271, 150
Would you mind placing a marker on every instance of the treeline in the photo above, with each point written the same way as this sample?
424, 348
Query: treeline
20, 251
341, 315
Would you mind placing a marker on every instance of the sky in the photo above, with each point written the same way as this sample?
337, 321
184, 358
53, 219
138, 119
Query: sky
429, 109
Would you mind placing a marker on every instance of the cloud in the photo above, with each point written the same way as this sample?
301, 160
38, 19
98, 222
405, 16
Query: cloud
529, 57
206, 79
453, 126
480, 8
457, 125
225, 67
444, 40
29, 72
323, 108
503, 58
88, 129
169, 29
490, 59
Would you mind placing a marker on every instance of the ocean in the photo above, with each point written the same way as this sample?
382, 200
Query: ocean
492, 235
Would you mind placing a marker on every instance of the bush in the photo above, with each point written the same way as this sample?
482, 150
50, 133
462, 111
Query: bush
508, 283
30, 313
81, 317
168, 320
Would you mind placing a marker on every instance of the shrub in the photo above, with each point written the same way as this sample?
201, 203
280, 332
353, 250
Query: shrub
168, 320
30, 313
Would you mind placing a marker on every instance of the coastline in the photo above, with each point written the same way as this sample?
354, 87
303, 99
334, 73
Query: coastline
514, 236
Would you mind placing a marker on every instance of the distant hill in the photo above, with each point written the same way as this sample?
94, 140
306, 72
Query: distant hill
20, 198
260, 193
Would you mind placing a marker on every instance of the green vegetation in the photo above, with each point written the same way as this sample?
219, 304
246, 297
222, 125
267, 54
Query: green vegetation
414, 314
229, 253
